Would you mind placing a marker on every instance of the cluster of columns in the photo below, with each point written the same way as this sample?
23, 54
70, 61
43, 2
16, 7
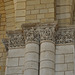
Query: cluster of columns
39, 50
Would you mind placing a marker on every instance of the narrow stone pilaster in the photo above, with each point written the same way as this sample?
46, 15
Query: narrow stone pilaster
31, 51
47, 50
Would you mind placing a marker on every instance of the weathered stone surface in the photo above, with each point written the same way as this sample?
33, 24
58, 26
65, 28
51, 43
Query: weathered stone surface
61, 67
16, 53
12, 62
60, 59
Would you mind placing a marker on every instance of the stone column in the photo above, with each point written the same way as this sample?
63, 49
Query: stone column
31, 51
47, 50
15, 48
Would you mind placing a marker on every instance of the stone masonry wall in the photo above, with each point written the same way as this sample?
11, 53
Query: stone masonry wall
64, 60
64, 11
15, 62
2, 35
17, 12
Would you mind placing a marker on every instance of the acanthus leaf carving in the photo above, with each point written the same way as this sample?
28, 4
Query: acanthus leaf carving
65, 36
16, 39
47, 33
31, 34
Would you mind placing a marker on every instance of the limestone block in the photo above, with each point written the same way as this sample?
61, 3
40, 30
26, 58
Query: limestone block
30, 17
30, 7
16, 53
69, 58
2, 32
9, 7
31, 72
34, 11
15, 1
33, 21
40, 6
10, 20
12, 62
47, 55
69, 73
47, 46
46, 71
64, 2
28, 12
40, 16
33, 2
20, 12
9, 15
10, 11
14, 70
50, 5
19, 19
61, 67
71, 66
63, 9
65, 49
60, 59
51, 10
47, 1
44, 11
31, 65
63, 16
0, 54
21, 61
31, 47
9, 3
59, 73
20, 5
31, 57
49, 15
47, 20
67, 20
47, 64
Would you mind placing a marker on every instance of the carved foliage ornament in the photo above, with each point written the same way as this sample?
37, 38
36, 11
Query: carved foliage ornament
16, 40
47, 33
31, 34
65, 36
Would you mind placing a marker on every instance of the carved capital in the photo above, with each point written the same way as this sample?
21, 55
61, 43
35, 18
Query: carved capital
16, 39
5, 42
64, 36
47, 32
31, 34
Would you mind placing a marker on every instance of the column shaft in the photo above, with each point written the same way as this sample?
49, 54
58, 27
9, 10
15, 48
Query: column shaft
47, 58
31, 59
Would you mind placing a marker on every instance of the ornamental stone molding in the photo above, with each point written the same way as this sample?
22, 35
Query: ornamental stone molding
65, 35
47, 32
31, 34
16, 39
39, 32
